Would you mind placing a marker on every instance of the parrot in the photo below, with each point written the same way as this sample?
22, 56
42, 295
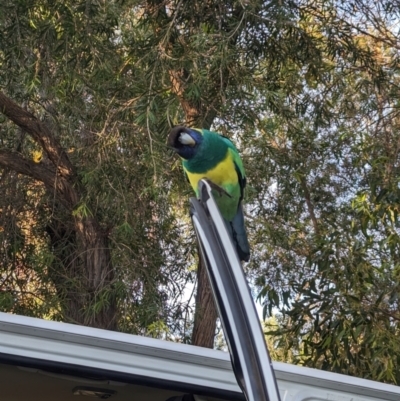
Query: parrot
208, 155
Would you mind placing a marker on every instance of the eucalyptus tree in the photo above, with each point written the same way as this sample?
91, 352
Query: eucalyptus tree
325, 202
83, 217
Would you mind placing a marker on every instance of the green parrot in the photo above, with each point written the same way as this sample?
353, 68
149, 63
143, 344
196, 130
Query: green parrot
206, 154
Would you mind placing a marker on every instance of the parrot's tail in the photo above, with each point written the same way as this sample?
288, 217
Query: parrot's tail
239, 235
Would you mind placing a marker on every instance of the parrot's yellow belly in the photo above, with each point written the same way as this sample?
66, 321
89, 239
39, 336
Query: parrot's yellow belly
223, 174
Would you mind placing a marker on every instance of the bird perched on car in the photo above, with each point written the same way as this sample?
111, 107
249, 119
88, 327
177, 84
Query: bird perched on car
209, 155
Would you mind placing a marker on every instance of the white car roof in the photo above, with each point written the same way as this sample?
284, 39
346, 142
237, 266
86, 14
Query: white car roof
26, 338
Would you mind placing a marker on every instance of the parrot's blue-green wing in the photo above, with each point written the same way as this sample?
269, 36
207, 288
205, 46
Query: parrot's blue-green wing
239, 234
241, 177
235, 154
237, 227
238, 165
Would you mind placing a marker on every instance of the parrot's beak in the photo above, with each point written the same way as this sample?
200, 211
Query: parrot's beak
186, 139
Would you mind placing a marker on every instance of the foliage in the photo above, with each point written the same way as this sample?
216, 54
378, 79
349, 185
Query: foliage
325, 213
66, 63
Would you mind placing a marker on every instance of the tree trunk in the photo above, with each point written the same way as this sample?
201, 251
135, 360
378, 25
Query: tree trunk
101, 308
205, 318
82, 271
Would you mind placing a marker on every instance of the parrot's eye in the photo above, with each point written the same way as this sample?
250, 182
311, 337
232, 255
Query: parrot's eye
186, 139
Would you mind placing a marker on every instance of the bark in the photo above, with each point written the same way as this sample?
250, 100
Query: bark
205, 318
82, 271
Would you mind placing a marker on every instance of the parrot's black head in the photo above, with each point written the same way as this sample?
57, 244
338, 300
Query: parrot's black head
184, 141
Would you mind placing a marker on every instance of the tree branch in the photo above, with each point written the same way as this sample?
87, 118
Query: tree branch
16, 162
40, 133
